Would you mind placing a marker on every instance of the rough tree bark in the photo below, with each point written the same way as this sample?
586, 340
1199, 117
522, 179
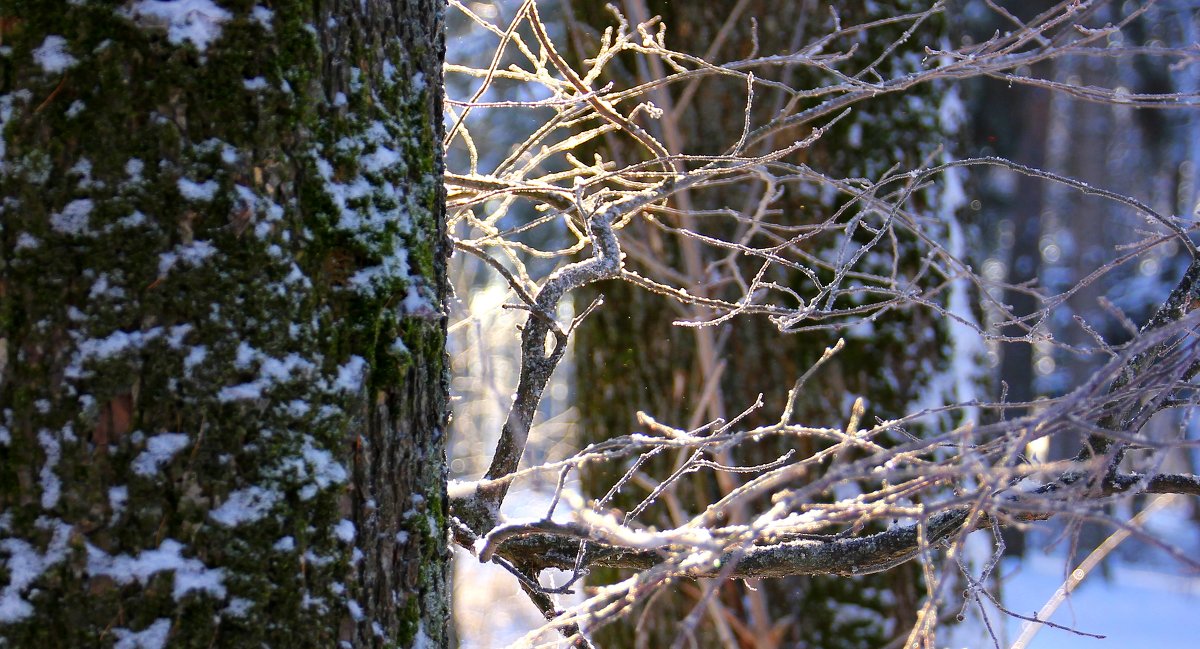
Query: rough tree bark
630, 354
222, 265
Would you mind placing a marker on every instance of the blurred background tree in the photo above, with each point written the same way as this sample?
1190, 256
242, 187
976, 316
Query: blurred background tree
630, 353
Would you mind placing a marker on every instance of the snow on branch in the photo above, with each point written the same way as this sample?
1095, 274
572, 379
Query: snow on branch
551, 215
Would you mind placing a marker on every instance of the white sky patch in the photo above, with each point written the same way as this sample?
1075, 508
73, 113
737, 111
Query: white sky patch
951, 111
24, 564
187, 21
968, 346
73, 219
190, 574
159, 450
152, 637
52, 55
257, 83
194, 191
854, 135
245, 506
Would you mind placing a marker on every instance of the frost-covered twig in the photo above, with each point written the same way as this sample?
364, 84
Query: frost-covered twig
864, 495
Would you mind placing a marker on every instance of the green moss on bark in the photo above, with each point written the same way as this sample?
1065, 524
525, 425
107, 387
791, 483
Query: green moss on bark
174, 262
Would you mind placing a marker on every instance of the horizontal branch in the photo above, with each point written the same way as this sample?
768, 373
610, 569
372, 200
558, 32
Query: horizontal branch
1166, 483
547, 544
838, 556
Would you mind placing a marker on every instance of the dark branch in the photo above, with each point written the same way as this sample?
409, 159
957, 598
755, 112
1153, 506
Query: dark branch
556, 545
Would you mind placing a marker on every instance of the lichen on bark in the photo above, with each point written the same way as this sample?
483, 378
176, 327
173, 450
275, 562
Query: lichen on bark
222, 263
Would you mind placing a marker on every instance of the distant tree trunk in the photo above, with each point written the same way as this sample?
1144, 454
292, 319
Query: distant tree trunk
222, 266
631, 358
1052, 236
1018, 134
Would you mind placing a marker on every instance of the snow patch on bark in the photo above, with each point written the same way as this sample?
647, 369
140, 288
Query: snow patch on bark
152, 637
73, 219
187, 21
159, 450
272, 371
24, 565
201, 192
317, 467
53, 56
344, 530
190, 574
190, 253
50, 483
350, 376
245, 506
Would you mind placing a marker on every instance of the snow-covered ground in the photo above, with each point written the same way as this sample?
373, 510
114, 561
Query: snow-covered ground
1141, 598
490, 610
1145, 601
1132, 607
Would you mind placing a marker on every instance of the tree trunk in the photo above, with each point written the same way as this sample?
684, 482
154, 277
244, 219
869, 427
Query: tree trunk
630, 357
222, 266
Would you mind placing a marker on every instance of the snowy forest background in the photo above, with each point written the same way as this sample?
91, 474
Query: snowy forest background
1021, 230
767, 324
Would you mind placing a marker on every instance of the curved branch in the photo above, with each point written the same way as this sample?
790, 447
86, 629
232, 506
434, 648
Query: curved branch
538, 363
